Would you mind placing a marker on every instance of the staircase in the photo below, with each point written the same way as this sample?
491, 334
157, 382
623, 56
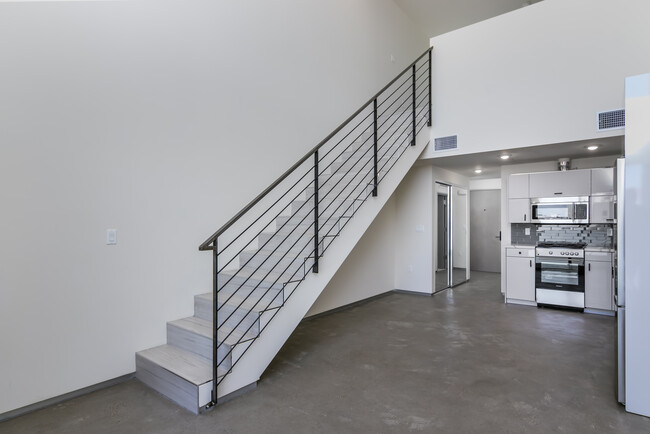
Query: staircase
274, 258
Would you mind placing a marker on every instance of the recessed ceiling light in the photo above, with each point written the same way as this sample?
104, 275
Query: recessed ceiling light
504, 156
592, 147
478, 171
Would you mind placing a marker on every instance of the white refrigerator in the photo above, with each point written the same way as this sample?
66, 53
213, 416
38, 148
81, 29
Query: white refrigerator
635, 302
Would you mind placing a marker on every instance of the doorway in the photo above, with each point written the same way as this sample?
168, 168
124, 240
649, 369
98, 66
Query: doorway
451, 267
485, 230
442, 278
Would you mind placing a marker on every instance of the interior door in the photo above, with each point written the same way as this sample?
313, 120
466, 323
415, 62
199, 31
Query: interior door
485, 230
459, 235
442, 230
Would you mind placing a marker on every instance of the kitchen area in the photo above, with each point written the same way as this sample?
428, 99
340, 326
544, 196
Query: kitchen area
563, 239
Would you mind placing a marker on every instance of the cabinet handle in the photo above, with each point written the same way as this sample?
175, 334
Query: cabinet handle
557, 193
524, 217
531, 263
589, 266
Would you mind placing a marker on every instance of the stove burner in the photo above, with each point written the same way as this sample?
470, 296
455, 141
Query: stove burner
559, 244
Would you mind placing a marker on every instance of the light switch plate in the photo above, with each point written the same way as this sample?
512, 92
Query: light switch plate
111, 237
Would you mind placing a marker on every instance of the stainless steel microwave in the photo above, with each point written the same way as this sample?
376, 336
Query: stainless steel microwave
562, 210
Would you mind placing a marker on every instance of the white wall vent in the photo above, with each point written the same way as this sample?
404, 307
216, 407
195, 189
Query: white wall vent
611, 120
445, 143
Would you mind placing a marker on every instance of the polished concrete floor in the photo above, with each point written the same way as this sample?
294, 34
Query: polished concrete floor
458, 276
458, 362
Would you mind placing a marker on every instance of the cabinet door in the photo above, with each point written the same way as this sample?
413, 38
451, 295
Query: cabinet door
602, 181
520, 278
518, 186
602, 209
560, 184
598, 285
519, 210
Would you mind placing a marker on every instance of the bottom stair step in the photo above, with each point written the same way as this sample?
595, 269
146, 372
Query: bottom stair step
183, 377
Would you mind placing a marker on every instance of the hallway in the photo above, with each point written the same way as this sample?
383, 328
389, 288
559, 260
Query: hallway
460, 361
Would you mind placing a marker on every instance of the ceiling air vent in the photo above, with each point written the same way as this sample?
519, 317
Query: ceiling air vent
611, 120
445, 143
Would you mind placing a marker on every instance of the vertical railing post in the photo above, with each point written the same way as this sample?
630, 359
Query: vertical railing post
413, 142
215, 318
430, 91
315, 267
375, 147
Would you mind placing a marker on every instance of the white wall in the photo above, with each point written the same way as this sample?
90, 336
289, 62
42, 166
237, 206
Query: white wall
637, 198
485, 184
160, 119
415, 231
369, 270
537, 75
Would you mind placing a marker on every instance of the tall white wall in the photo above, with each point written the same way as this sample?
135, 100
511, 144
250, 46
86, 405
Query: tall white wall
537, 75
161, 119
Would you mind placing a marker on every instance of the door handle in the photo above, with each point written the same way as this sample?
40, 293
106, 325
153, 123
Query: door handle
498, 236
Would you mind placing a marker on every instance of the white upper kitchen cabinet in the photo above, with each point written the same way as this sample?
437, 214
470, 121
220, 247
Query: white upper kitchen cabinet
518, 186
560, 184
602, 182
519, 210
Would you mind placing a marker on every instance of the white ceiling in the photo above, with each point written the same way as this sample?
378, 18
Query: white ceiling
436, 17
490, 162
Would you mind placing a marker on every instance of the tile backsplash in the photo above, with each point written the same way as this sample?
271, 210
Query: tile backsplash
594, 235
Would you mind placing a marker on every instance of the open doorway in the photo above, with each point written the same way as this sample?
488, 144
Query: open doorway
442, 277
451, 267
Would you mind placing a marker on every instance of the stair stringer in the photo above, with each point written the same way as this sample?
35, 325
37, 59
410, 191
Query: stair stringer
254, 362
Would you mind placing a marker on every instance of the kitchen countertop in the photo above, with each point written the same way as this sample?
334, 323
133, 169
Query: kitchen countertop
599, 249
587, 249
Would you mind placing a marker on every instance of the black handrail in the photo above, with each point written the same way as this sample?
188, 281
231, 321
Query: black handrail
206, 244
274, 250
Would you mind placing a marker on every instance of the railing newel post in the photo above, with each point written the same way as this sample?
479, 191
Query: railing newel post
430, 92
375, 146
315, 267
413, 141
215, 318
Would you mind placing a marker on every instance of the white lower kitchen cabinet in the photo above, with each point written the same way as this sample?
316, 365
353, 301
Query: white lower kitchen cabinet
520, 276
599, 283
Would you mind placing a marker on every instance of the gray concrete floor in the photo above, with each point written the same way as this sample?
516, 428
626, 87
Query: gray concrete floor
458, 362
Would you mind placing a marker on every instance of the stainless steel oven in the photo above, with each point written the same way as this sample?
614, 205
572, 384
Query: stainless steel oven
560, 210
560, 275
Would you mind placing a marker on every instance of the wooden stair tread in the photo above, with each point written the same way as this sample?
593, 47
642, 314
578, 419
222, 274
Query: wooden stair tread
189, 366
204, 328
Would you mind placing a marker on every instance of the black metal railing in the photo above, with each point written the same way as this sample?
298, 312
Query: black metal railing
263, 253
